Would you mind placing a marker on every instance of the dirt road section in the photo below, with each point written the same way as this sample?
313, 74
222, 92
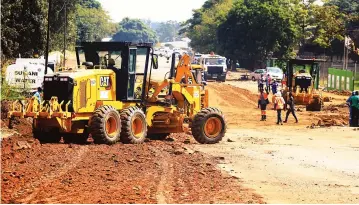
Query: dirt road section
320, 166
293, 163
240, 108
155, 172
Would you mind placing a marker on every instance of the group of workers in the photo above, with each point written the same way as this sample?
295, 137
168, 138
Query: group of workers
353, 103
279, 102
268, 83
279, 105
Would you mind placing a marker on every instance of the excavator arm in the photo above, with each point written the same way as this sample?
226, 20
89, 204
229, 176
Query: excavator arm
183, 75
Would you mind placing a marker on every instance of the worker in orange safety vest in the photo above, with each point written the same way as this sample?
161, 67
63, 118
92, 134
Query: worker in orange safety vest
262, 103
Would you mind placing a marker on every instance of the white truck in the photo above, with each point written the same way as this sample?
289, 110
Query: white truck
214, 67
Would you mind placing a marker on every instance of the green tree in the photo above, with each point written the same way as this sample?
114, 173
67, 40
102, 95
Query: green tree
93, 24
258, 29
328, 25
349, 8
57, 23
22, 28
202, 27
134, 30
24, 25
320, 24
168, 31
90, 4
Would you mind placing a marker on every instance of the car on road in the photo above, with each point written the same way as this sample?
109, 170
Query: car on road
256, 74
275, 73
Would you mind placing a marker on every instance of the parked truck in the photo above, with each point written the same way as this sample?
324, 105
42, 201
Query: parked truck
214, 67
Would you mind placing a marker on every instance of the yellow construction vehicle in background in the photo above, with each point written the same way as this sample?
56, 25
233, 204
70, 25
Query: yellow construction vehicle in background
101, 98
302, 79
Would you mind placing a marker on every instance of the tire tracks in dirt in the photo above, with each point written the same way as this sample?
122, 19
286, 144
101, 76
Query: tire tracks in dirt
27, 193
165, 185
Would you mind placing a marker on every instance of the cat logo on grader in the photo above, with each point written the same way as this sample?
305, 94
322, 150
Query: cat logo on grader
104, 81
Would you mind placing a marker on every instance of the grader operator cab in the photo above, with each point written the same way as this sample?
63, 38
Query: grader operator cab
113, 99
303, 81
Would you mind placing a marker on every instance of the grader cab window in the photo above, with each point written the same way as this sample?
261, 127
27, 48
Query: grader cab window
95, 59
137, 66
113, 59
130, 63
132, 73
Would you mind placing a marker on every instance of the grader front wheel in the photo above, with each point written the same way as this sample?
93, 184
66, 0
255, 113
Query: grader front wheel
105, 125
134, 126
209, 126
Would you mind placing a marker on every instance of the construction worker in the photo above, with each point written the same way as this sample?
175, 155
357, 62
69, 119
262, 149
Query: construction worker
268, 83
284, 81
38, 94
355, 109
261, 83
279, 106
350, 108
291, 108
275, 87
262, 103
36, 53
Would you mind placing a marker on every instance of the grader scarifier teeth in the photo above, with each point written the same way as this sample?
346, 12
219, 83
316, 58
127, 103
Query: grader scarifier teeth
45, 109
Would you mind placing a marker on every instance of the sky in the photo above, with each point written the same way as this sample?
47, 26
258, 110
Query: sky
155, 10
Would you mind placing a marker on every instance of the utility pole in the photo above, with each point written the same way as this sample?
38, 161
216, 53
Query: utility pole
47, 37
344, 55
65, 33
303, 25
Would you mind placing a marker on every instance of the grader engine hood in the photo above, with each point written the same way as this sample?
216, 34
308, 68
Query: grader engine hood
65, 86
60, 86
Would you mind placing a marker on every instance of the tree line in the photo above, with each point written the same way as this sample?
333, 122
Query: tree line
260, 29
24, 26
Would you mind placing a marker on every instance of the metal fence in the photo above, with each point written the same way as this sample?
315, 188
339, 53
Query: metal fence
325, 67
339, 79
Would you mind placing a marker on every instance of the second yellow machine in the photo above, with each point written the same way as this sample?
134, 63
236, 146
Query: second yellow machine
114, 99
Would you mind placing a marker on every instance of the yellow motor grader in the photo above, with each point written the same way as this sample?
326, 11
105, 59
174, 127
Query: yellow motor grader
101, 98
302, 79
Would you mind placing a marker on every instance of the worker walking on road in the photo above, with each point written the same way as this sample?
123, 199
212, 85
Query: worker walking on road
262, 103
291, 108
261, 83
354, 100
350, 108
275, 87
268, 83
279, 106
